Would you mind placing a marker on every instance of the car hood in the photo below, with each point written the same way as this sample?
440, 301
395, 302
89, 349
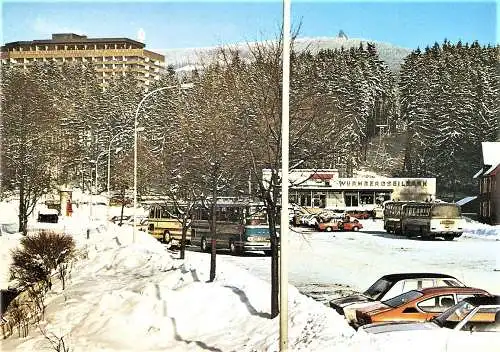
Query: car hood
345, 301
378, 328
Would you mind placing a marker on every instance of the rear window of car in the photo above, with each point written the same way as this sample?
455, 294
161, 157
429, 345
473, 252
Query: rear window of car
403, 298
380, 287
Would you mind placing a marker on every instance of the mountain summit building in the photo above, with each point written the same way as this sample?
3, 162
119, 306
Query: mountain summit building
110, 56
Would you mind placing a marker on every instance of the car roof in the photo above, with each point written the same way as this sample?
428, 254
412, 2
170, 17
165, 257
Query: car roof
483, 300
402, 276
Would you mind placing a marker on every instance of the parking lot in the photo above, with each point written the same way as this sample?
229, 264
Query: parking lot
328, 265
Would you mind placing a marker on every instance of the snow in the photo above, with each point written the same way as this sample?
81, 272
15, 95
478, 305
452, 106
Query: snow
126, 295
491, 155
465, 200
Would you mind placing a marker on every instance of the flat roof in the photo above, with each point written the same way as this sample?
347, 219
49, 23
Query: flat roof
70, 38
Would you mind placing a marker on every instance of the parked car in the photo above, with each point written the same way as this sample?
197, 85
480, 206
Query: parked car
415, 305
48, 215
389, 286
478, 313
471, 325
308, 219
141, 222
116, 219
346, 224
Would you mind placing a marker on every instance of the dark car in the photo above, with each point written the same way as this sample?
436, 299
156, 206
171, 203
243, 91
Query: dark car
391, 285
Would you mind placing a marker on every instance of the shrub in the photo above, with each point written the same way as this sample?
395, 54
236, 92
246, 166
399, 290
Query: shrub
39, 255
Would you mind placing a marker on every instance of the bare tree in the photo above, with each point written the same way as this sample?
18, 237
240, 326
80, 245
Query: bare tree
28, 113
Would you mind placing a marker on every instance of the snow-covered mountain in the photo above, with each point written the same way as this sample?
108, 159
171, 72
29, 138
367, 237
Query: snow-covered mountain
391, 54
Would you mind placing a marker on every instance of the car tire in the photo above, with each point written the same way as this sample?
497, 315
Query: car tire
328, 229
204, 245
355, 229
166, 237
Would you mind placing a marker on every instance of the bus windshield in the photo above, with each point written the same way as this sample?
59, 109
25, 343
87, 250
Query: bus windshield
445, 211
256, 216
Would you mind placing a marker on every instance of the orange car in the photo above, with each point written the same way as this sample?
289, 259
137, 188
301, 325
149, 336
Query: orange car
415, 305
343, 225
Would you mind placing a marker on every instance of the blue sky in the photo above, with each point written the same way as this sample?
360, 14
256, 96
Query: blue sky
168, 24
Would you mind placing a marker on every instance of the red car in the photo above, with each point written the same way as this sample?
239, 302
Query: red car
342, 225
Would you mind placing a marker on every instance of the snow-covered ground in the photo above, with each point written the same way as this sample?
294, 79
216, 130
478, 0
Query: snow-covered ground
126, 295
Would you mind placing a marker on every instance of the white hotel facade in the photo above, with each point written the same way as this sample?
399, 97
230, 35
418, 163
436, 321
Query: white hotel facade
324, 188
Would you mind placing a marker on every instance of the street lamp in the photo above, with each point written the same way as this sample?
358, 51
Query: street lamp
136, 129
91, 192
96, 164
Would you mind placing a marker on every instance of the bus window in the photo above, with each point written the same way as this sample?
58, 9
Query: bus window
446, 211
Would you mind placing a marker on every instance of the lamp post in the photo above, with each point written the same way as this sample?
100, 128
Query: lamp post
283, 286
109, 162
136, 129
96, 164
95, 185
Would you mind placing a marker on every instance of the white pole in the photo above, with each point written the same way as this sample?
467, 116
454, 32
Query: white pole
284, 180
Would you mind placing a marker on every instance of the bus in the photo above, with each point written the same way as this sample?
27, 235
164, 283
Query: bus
431, 220
392, 214
241, 226
165, 223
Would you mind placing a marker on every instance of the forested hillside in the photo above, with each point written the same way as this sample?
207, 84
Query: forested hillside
449, 96
348, 110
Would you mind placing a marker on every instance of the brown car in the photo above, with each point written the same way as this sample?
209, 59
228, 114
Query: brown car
416, 305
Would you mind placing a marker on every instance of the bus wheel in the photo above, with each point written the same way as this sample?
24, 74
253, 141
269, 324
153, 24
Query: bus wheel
204, 245
166, 237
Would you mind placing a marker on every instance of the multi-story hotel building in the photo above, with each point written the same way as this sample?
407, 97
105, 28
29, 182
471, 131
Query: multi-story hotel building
110, 56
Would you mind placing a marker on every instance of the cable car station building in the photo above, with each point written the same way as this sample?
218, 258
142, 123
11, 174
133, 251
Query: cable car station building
325, 189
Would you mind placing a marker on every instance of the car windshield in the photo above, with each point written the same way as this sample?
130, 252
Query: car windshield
403, 298
453, 315
378, 289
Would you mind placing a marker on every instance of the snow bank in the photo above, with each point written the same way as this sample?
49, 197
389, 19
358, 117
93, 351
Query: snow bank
477, 229
126, 296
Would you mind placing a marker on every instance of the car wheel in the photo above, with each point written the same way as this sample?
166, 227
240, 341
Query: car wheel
355, 229
328, 229
166, 237
204, 245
